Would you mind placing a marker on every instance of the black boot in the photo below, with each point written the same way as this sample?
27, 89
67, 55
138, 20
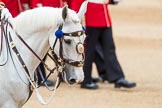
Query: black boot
97, 79
90, 85
124, 83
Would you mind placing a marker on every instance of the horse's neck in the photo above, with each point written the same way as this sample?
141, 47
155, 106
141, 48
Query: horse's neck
36, 33
38, 43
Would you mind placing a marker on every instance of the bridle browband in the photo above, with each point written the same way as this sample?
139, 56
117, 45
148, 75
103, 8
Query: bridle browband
59, 60
60, 35
10, 43
74, 34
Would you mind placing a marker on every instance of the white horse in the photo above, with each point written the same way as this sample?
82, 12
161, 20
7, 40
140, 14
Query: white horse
37, 28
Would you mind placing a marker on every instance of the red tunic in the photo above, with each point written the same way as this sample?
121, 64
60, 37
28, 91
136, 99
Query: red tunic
74, 4
34, 3
14, 6
52, 3
97, 14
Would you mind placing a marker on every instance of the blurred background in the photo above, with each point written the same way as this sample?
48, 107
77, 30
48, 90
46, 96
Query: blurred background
137, 29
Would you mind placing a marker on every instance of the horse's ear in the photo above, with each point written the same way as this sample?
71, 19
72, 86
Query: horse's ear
82, 9
65, 12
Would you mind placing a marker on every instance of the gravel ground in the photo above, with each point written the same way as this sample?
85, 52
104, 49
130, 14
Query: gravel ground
138, 38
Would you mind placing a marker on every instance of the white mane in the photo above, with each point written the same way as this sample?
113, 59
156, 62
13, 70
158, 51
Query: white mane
49, 17
35, 18
36, 27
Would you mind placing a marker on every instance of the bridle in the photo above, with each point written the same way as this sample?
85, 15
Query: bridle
60, 60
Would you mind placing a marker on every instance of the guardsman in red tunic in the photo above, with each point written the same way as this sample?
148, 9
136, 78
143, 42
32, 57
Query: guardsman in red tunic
99, 30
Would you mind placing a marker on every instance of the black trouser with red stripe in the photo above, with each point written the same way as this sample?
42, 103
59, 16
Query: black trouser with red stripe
104, 37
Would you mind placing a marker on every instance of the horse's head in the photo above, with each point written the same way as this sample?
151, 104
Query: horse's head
72, 37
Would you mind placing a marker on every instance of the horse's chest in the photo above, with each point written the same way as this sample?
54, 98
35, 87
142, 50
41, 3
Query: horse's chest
12, 89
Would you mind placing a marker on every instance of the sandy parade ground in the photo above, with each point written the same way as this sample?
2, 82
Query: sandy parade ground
137, 27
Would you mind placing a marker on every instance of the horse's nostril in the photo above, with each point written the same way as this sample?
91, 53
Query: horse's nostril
72, 81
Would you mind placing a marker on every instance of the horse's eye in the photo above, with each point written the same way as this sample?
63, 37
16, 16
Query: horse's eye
67, 41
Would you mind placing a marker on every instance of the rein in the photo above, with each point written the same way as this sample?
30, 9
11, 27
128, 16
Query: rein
59, 60
46, 66
20, 58
3, 34
33, 84
16, 59
9, 42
